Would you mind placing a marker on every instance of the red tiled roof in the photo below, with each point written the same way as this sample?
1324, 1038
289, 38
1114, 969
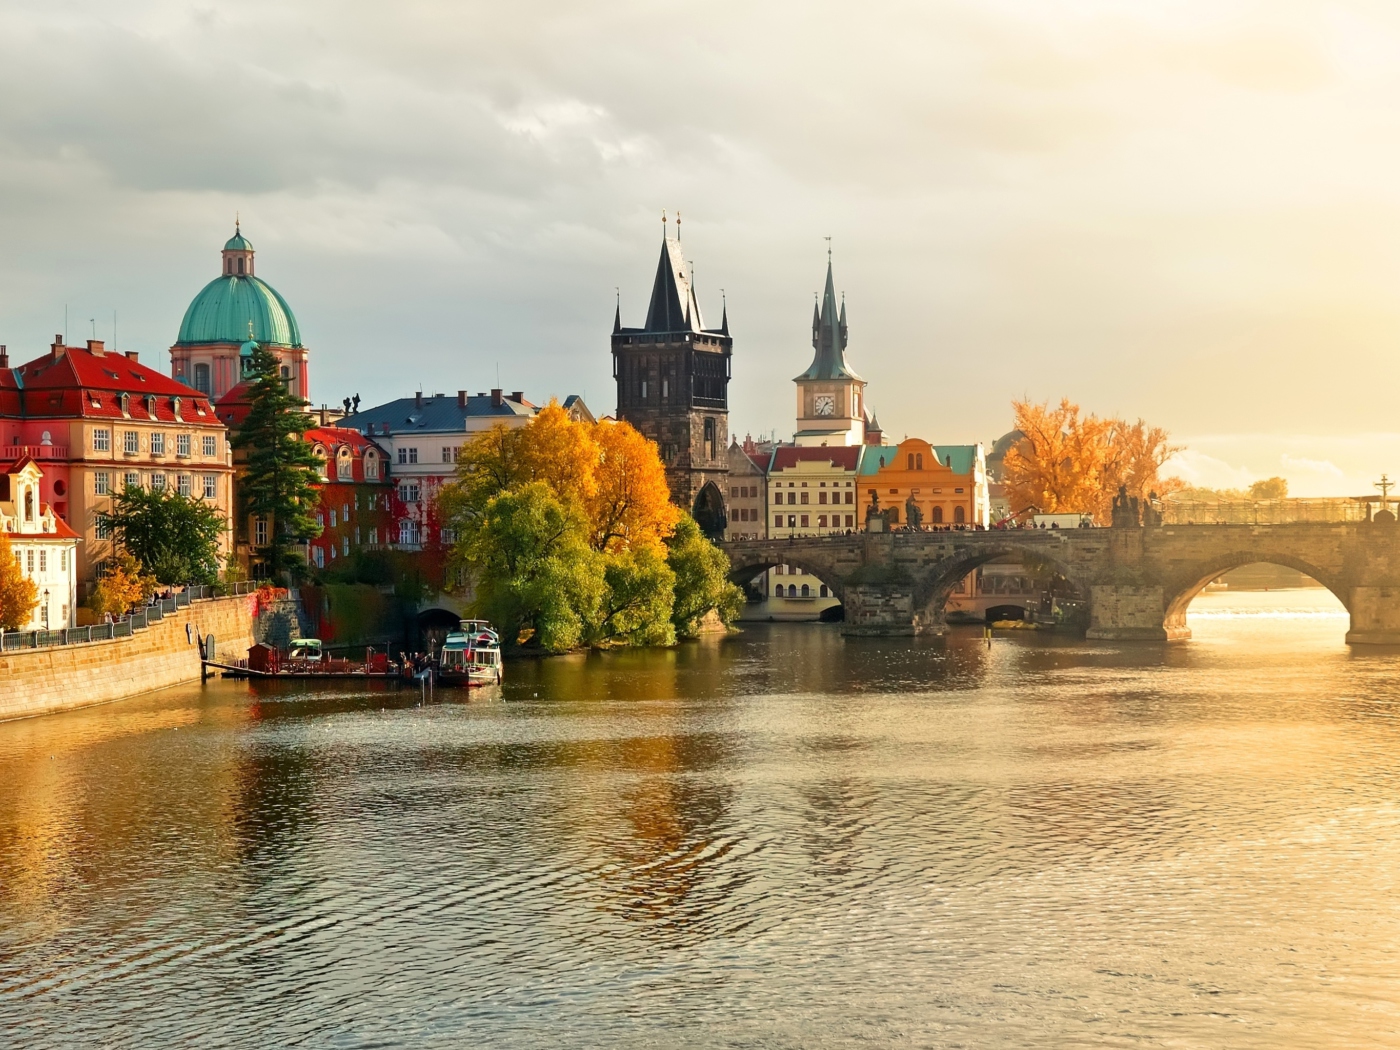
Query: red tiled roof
80, 383
843, 457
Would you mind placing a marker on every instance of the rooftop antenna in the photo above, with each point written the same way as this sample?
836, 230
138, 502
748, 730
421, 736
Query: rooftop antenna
678, 224
114, 329
65, 324
93, 321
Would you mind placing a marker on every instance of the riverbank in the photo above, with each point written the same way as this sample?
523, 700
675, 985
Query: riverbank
66, 677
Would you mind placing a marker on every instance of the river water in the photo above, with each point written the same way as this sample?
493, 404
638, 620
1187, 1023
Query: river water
782, 839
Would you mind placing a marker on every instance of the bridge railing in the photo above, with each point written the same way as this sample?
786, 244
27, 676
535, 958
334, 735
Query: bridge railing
1266, 512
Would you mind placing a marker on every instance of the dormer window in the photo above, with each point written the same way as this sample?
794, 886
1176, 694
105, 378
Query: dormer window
151, 405
175, 406
124, 403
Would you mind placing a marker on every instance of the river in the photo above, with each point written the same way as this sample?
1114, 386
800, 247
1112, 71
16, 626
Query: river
780, 839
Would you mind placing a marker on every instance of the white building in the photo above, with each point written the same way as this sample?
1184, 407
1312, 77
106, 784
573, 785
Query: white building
45, 548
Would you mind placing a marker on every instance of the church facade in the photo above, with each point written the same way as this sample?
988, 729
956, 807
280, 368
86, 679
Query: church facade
673, 385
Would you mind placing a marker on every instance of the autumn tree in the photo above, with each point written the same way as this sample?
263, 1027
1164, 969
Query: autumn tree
631, 505
1073, 463
1269, 488
565, 529
18, 593
123, 585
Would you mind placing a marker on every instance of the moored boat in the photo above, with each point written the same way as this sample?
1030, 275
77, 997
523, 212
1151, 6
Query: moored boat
471, 656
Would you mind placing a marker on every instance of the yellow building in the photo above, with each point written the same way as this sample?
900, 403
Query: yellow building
946, 483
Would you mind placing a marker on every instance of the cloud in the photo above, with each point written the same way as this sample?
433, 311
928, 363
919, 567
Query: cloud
1183, 213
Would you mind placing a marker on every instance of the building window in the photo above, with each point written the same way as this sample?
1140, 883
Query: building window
101, 483
157, 482
850, 496
374, 537
449, 454
182, 445
821, 497
30, 559
131, 441
318, 555
43, 560
102, 440
804, 497
850, 520
409, 492
821, 521
792, 521
345, 546
102, 531
211, 486
958, 515
132, 480
210, 446
777, 521
938, 515
63, 561
408, 533
201, 380
260, 532
665, 389
804, 521
709, 438
371, 465
157, 444
333, 518
182, 484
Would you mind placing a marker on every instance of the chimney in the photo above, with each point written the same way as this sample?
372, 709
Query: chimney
461, 399
58, 349
323, 415
96, 348
518, 396
132, 355
4, 357
418, 399
496, 399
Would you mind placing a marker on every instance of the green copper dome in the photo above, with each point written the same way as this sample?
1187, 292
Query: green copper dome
221, 313
238, 243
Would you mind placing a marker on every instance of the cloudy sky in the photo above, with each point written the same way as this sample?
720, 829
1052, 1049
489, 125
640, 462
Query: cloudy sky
1186, 211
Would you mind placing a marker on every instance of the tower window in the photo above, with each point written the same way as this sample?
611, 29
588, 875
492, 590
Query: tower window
201, 379
240, 267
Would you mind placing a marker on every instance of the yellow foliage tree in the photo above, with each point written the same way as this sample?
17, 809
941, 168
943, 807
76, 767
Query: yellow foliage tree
123, 586
631, 506
606, 472
1072, 463
18, 593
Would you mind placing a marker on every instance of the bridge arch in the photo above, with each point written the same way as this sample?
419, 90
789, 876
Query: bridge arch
1182, 588
744, 568
935, 587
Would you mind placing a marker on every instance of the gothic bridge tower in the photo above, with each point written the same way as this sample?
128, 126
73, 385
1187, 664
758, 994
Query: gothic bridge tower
673, 385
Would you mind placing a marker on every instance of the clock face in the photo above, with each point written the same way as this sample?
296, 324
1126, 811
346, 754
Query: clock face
824, 405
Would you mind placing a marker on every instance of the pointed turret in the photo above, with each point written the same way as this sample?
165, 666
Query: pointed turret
673, 307
724, 318
617, 316
829, 336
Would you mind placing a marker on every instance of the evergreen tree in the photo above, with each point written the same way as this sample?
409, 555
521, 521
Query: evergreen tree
176, 536
281, 471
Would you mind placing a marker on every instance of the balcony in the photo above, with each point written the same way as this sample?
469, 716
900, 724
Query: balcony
36, 451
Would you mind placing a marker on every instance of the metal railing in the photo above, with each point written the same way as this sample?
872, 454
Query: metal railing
137, 620
1268, 512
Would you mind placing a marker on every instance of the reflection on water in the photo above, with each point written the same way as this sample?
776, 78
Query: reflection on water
781, 839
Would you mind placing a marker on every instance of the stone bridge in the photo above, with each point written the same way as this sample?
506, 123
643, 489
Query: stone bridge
1137, 581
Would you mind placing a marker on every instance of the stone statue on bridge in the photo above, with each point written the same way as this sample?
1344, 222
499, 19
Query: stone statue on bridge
912, 514
874, 517
1126, 512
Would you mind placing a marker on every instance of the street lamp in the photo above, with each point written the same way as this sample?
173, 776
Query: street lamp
46, 609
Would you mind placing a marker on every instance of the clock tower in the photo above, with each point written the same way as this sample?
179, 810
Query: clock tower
830, 397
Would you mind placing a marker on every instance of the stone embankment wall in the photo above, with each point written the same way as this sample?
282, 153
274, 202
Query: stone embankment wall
43, 681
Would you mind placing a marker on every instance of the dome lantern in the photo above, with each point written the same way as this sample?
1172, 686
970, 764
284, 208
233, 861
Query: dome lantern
238, 254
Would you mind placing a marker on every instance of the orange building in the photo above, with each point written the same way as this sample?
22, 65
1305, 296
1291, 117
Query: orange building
947, 483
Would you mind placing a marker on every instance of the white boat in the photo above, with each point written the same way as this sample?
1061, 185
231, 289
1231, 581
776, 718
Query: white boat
471, 656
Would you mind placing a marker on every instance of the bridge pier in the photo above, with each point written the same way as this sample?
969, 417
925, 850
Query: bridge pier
880, 609
1138, 614
1375, 616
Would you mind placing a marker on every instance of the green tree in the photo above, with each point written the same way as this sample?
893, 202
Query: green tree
639, 598
537, 578
702, 580
175, 536
281, 473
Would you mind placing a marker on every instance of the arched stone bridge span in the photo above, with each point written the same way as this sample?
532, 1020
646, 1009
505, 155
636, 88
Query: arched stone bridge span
1137, 581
